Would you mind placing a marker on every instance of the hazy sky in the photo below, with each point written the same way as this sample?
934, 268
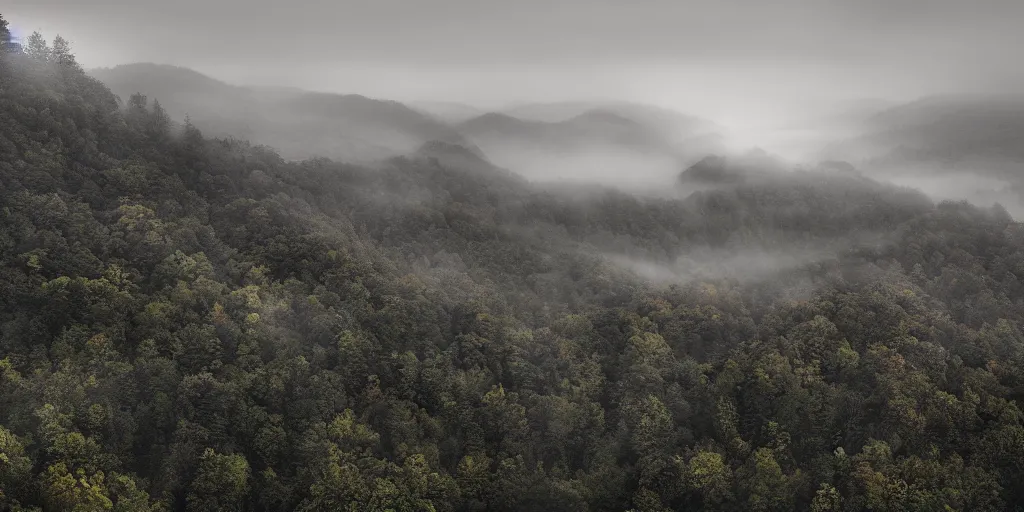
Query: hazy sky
732, 59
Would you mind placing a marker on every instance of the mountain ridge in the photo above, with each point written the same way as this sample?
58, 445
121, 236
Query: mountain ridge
299, 123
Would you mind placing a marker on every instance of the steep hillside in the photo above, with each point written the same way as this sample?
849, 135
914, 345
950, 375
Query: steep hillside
299, 124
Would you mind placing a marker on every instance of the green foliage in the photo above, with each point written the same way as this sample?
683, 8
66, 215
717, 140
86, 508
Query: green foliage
15, 468
826, 499
78, 491
708, 475
221, 483
196, 324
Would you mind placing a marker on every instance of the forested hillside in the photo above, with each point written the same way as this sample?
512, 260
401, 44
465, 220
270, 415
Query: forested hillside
197, 324
299, 124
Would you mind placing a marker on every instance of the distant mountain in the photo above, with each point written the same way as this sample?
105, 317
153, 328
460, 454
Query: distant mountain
721, 170
712, 170
937, 109
169, 83
603, 145
675, 125
617, 128
975, 133
455, 156
448, 112
596, 127
550, 112
494, 124
300, 124
837, 167
216, 107
842, 116
964, 147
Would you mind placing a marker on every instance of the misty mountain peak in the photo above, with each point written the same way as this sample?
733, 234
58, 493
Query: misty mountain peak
161, 80
606, 117
717, 169
493, 121
438, 147
838, 166
712, 169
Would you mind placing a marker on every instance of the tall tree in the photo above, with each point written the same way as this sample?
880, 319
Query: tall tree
37, 47
61, 54
159, 121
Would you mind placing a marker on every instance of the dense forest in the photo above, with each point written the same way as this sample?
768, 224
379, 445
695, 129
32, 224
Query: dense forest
197, 324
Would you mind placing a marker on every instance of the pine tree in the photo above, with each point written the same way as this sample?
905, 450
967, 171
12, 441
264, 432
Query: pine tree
159, 121
61, 53
37, 47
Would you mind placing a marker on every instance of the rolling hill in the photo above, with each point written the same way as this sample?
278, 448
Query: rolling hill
676, 124
447, 111
965, 147
455, 156
956, 132
607, 145
593, 127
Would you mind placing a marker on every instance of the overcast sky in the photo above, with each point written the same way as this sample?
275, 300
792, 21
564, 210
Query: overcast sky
730, 59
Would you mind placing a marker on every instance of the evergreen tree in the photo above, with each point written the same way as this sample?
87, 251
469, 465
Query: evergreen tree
37, 48
61, 54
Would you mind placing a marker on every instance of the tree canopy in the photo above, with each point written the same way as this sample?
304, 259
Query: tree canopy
197, 324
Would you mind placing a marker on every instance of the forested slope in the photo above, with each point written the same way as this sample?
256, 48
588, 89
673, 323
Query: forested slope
197, 324
298, 124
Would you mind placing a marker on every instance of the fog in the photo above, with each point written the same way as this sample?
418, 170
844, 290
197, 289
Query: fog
750, 265
960, 148
698, 57
623, 169
974, 187
624, 96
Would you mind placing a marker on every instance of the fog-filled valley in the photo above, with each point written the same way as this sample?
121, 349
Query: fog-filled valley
218, 294
950, 148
